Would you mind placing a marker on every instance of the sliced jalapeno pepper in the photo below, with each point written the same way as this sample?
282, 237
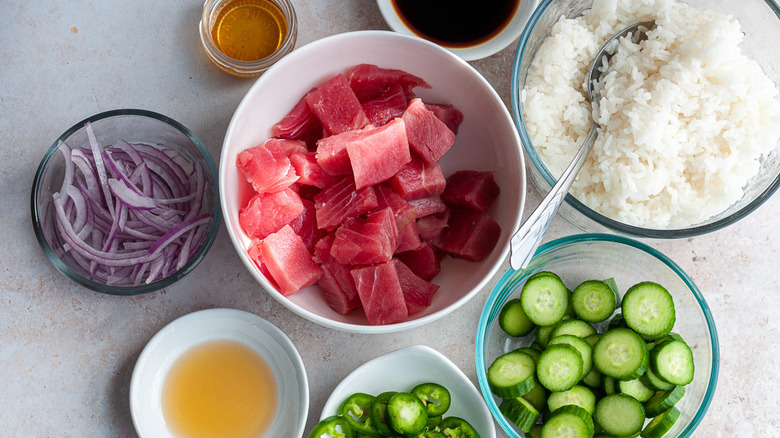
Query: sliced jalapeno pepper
435, 397
406, 413
433, 422
456, 427
430, 434
356, 410
378, 413
334, 426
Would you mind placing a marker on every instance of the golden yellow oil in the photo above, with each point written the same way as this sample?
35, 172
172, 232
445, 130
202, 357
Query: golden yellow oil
220, 389
249, 30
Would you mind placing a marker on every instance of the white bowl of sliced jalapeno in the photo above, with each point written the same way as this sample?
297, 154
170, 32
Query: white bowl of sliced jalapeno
414, 391
600, 334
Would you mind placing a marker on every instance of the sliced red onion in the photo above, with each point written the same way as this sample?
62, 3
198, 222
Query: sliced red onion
131, 213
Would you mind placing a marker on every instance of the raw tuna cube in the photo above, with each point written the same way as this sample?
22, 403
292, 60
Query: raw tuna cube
336, 106
431, 226
267, 213
448, 114
369, 81
386, 107
255, 253
428, 136
416, 180
299, 124
304, 191
408, 238
366, 241
378, 154
469, 235
418, 293
428, 206
332, 152
380, 293
264, 170
280, 147
423, 261
305, 225
403, 211
471, 189
336, 281
341, 201
310, 172
289, 261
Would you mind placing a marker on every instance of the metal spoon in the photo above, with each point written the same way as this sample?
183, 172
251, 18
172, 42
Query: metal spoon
525, 241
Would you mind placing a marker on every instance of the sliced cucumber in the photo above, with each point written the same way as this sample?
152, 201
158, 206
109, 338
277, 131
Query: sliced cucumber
663, 400
533, 352
610, 385
577, 395
575, 327
544, 298
581, 346
537, 396
659, 425
559, 367
652, 381
593, 379
620, 354
512, 374
619, 415
635, 388
568, 421
673, 362
593, 301
648, 309
513, 320
520, 412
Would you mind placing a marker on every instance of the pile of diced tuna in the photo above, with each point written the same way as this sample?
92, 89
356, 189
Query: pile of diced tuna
350, 195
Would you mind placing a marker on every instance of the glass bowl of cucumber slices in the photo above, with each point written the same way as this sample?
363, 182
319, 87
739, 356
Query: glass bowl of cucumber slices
600, 334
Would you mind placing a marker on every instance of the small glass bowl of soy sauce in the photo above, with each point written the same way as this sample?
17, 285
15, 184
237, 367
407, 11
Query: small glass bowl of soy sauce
470, 29
246, 37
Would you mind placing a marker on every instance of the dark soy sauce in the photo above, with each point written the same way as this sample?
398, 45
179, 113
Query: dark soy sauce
456, 23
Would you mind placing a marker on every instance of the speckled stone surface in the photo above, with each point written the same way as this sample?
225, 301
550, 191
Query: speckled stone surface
67, 354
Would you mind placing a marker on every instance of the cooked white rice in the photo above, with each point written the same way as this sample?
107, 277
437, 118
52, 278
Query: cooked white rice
682, 124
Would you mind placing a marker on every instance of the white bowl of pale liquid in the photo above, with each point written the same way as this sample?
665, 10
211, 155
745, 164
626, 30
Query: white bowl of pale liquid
160, 359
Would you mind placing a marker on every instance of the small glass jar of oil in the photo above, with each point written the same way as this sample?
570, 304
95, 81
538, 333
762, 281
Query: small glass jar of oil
245, 37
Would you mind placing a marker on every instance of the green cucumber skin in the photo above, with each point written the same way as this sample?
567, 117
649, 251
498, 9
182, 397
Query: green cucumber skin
520, 412
660, 362
660, 424
662, 401
513, 320
544, 298
521, 365
633, 311
593, 301
605, 344
551, 362
620, 415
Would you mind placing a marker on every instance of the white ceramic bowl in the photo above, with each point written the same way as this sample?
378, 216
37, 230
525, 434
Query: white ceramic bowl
500, 41
486, 140
402, 369
195, 328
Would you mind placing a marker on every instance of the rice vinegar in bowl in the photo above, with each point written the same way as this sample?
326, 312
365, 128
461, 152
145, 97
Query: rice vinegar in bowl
219, 373
220, 389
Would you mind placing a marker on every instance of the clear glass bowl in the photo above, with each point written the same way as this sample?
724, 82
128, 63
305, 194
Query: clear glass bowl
760, 21
601, 256
237, 67
131, 125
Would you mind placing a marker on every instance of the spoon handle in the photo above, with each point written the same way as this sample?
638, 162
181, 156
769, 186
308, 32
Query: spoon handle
525, 241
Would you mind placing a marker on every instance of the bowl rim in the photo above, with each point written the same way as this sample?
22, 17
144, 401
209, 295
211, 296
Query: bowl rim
620, 227
213, 324
515, 276
234, 234
66, 270
498, 42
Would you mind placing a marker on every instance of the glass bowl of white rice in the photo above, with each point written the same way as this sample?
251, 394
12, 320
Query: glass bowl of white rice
689, 119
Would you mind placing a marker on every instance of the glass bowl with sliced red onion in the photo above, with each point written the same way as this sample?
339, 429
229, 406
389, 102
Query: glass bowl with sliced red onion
125, 202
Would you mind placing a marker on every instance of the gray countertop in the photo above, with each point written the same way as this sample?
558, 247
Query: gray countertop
67, 353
